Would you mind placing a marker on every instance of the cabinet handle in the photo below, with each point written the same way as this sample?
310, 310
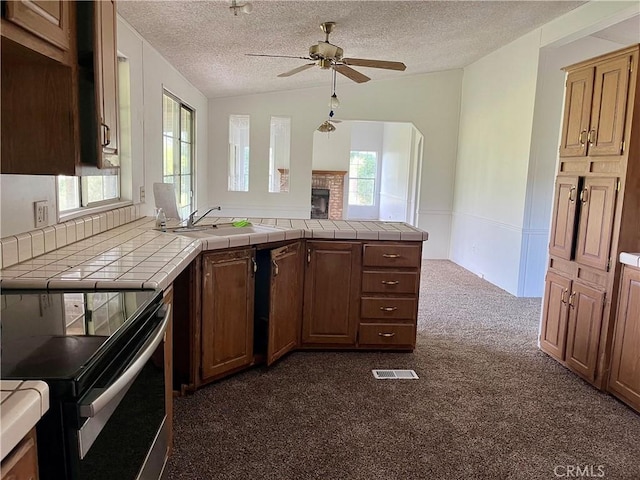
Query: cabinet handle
572, 191
391, 255
388, 309
275, 268
308, 255
387, 335
571, 297
582, 140
255, 265
390, 282
106, 135
592, 137
584, 195
563, 298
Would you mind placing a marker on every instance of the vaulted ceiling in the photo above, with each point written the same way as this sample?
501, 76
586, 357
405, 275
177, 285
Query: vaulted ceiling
207, 43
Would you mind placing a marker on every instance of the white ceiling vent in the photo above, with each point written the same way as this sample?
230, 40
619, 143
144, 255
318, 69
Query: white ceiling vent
394, 374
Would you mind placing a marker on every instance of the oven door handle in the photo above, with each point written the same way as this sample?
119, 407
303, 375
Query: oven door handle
115, 390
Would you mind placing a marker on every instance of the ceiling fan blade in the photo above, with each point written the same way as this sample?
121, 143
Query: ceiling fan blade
363, 62
297, 70
276, 56
351, 73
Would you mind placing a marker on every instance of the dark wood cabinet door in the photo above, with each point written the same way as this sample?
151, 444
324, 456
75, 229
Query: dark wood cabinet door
563, 222
331, 292
583, 335
107, 77
598, 197
285, 302
624, 380
610, 90
227, 311
48, 19
553, 334
577, 108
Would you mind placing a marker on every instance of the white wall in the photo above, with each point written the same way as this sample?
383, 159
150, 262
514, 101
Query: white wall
153, 74
331, 150
496, 118
17, 194
431, 102
394, 177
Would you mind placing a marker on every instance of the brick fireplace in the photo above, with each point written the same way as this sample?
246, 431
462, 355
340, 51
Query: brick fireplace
333, 181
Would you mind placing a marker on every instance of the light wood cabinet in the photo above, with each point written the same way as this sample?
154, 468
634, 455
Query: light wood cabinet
595, 106
22, 462
227, 312
595, 213
624, 379
331, 293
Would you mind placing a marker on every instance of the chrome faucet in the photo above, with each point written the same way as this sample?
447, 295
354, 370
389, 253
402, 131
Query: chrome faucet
192, 223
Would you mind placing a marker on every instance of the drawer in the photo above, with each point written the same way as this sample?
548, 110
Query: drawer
390, 308
394, 255
387, 334
390, 282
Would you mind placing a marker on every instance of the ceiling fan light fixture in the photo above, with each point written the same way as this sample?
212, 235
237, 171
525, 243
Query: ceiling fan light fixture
326, 127
242, 7
334, 102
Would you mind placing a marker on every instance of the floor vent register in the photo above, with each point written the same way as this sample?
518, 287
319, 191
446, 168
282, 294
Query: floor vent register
395, 374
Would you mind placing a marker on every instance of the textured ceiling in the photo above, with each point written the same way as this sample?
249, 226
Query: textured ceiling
207, 44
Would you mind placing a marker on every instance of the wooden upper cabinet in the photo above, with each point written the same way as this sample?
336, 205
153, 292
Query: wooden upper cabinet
624, 380
227, 311
577, 110
564, 217
595, 109
285, 300
598, 198
48, 22
106, 65
583, 335
553, 334
331, 293
610, 91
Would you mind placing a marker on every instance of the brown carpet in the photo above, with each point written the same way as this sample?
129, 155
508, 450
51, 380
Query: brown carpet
488, 405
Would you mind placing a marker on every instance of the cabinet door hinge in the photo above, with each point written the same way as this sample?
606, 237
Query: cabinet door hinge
608, 264
618, 186
604, 299
622, 145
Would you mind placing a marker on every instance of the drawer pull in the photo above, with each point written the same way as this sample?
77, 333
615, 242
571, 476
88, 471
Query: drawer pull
390, 282
388, 309
386, 335
391, 255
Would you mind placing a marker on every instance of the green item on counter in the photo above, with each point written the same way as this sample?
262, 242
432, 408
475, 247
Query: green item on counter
241, 223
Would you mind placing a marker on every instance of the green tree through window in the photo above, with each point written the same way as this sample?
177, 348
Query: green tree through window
363, 168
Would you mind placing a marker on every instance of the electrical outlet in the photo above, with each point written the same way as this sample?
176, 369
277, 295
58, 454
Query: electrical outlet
141, 194
41, 213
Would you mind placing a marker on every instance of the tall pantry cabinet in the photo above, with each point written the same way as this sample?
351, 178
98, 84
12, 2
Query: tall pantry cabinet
596, 212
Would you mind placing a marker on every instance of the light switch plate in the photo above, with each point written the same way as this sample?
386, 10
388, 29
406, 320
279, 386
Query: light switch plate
41, 213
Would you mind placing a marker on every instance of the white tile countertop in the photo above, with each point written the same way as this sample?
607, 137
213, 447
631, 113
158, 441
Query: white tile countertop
23, 405
135, 255
632, 259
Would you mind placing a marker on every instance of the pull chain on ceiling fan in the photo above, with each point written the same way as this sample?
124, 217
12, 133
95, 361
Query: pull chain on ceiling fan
329, 56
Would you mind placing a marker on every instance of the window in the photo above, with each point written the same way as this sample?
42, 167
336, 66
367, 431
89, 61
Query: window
238, 180
279, 154
76, 193
363, 168
177, 151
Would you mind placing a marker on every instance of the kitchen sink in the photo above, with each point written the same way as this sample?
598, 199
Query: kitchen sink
209, 231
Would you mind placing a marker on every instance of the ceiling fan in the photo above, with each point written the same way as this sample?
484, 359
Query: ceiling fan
327, 55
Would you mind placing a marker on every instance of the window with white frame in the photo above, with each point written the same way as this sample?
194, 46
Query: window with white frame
238, 179
279, 154
178, 150
77, 193
363, 168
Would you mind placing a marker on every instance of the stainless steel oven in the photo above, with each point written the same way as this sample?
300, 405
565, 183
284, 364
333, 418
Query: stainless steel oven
103, 356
